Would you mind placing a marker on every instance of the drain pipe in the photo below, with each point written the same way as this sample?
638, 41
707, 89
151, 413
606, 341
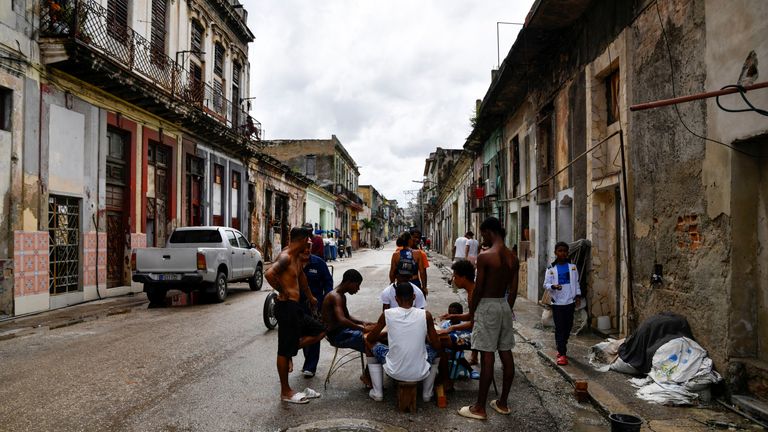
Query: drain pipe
96, 214
632, 315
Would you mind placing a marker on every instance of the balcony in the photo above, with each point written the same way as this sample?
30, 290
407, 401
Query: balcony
346, 195
81, 38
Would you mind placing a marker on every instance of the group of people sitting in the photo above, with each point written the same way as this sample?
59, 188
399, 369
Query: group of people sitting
404, 342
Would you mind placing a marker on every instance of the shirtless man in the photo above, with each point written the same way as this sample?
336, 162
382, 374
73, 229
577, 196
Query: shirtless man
497, 272
344, 331
296, 329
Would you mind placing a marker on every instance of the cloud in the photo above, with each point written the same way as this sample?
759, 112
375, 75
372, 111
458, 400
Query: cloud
393, 80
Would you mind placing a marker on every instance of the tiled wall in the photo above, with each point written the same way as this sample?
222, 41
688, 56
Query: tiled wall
30, 255
138, 240
89, 254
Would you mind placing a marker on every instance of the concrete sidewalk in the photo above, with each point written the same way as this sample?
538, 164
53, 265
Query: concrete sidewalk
611, 392
88, 311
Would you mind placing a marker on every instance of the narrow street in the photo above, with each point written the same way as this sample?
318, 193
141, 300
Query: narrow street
211, 367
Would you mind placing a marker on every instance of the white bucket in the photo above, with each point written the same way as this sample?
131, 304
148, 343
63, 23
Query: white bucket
604, 322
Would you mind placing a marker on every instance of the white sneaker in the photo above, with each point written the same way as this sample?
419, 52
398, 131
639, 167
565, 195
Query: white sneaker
375, 397
308, 374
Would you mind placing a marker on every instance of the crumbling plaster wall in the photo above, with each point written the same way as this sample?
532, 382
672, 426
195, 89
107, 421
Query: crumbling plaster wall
735, 183
671, 224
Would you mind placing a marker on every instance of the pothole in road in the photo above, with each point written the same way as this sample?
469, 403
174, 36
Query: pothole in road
346, 425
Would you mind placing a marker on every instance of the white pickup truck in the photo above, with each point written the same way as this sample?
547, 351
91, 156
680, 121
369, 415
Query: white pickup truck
198, 258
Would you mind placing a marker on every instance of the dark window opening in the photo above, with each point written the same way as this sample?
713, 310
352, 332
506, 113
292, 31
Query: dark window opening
516, 166
6, 108
311, 164
612, 96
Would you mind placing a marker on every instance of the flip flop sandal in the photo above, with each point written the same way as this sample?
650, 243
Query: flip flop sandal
311, 394
466, 412
498, 409
475, 375
297, 398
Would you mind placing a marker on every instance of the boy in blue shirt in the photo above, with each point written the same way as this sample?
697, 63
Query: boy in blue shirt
562, 282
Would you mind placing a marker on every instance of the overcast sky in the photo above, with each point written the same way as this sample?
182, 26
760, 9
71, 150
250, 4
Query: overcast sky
391, 79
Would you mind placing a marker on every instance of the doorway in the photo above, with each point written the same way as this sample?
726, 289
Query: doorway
606, 256
158, 191
117, 208
748, 311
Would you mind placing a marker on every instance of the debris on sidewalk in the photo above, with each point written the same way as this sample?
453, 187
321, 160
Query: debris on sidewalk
679, 372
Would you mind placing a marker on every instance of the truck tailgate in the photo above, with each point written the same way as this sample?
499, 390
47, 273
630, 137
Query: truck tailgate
166, 260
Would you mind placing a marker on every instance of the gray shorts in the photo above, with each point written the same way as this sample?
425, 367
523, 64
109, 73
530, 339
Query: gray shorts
492, 330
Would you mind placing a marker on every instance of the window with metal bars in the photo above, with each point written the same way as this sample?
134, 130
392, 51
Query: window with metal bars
196, 38
218, 59
63, 244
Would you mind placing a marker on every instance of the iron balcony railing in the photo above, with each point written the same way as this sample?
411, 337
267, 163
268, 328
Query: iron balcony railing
92, 25
340, 190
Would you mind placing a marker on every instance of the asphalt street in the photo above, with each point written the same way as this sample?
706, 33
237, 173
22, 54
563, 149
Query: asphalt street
211, 367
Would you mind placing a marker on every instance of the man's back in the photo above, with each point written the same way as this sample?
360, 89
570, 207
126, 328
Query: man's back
407, 333
460, 245
498, 266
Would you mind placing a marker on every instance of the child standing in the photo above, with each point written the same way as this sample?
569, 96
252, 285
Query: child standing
562, 282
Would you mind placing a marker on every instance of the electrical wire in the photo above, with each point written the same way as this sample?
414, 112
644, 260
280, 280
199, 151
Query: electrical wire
674, 92
743, 93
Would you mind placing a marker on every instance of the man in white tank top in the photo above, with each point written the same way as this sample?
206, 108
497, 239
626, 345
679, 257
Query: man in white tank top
408, 357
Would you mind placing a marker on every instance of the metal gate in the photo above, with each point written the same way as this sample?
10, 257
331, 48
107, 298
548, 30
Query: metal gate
63, 244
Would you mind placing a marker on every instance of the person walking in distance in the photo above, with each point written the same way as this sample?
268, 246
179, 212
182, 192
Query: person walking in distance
497, 273
473, 247
561, 280
460, 248
296, 329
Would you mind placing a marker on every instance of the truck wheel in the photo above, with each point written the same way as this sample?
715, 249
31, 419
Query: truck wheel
257, 280
269, 311
221, 287
156, 295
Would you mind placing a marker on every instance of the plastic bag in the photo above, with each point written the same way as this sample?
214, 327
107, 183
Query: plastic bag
546, 318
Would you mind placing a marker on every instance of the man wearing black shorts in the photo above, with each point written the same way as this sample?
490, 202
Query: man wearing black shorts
296, 329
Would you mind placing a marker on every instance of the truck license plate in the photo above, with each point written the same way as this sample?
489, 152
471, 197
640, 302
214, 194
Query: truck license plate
169, 277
